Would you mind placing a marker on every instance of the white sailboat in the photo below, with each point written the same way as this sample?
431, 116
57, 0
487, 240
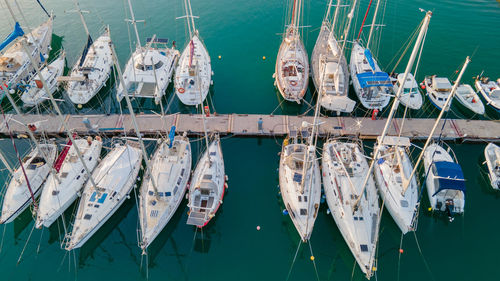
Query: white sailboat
291, 74
149, 70
438, 89
492, 156
207, 187
344, 170
300, 182
410, 95
490, 90
372, 86
468, 98
92, 69
15, 67
37, 167
329, 66
115, 177
62, 189
35, 93
171, 168
445, 180
193, 75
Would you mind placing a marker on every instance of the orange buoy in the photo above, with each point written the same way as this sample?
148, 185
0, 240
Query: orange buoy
401, 251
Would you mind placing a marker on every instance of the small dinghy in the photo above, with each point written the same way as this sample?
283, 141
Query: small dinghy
344, 171
171, 168
15, 66
207, 186
91, 71
490, 90
469, 99
115, 177
410, 96
36, 93
300, 182
37, 166
62, 189
445, 180
438, 89
392, 170
492, 155
372, 86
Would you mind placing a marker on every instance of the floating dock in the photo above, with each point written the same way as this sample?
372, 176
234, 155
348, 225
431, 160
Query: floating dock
251, 125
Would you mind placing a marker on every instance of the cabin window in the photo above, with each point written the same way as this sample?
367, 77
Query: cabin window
64, 175
300, 198
55, 192
87, 216
175, 189
363, 247
303, 212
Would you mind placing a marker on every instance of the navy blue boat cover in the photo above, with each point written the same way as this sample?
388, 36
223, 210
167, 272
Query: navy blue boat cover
450, 176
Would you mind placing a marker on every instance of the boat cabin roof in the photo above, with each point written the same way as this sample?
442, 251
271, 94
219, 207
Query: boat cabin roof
441, 83
449, 175
410, 81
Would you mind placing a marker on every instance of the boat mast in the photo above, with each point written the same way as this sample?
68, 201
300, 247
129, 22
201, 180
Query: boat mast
395, 104
373, 24
446, 104
134, 23
80, 12
328, 10
134, 121
335, 15
56, 107
191, 16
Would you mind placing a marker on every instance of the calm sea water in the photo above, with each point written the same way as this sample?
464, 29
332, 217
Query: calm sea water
231, 248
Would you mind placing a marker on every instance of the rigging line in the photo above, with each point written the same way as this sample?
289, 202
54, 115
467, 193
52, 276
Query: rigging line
313, 260
399, 256
3, 236
294, 259
40, 241
25, 245
407, 44
422, 255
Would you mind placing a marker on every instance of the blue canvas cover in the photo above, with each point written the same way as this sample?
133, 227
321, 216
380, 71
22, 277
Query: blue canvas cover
369, 58
171, 136
450, 176
18, 31
374, 79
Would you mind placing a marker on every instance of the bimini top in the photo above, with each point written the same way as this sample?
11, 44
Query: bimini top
374, 79
449, 175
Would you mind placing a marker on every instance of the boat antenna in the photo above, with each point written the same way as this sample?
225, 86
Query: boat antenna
373, 24
395, 104
58, 110
132, 114
438, 119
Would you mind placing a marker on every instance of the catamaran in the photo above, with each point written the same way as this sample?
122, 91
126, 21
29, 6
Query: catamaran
15, 67
438, 89
492, 156
410, 95
149, 70
207, 187
372, 86
92, 69
35, 93
291, 75
62, 188
490, 90
115, 177
445, 180
193, 75
171, 168
36, 168
354, 207
329, 66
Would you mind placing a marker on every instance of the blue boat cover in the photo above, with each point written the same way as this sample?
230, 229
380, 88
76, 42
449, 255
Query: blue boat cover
374, 79
171, 136
18, 31
369, 58
86, 50
450, 176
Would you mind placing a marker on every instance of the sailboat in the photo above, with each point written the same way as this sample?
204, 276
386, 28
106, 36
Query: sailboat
193, 75
35, 94
354, 207
35, 168
149, 70
62, 189
300, 181
372, 86
329, 66
15, 68
492, 156
92, 69
291, 75
115, 177
171, 168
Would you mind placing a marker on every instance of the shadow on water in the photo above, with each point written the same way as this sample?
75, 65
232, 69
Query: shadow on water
22, 222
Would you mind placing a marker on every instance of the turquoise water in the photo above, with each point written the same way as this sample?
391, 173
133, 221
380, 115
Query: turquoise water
230, 247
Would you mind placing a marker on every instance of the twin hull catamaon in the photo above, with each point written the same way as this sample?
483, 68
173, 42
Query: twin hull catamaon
171, 168
115, 177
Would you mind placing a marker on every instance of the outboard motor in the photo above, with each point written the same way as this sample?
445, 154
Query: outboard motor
449, 209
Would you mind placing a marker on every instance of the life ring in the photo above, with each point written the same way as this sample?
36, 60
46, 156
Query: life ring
293, 83
181, 90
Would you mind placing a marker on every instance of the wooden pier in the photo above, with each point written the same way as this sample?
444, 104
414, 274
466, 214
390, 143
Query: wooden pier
251, 125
